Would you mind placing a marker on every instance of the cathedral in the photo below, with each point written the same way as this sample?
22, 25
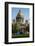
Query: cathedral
21, 22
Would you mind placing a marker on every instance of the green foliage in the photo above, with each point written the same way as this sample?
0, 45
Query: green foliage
15, 28
21, 36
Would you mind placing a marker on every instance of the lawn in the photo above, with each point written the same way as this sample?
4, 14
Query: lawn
20, 36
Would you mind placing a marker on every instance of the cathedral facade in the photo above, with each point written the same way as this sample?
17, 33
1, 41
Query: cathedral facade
22, 24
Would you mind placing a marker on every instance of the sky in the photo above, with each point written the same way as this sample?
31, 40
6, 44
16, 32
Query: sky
25, 12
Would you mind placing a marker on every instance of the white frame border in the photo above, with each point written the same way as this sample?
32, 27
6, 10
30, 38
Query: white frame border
9, 22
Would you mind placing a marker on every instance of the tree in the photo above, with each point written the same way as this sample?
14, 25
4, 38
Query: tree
15, 28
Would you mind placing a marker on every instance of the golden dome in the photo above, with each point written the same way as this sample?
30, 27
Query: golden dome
20, 16
20, 13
